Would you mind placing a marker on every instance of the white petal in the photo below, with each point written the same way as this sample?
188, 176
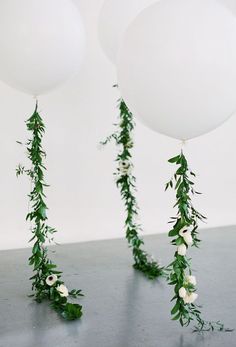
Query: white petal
182, 249
188, 239
184, 231
190, 298
192, 280
51, 280
193, 297
182, 292
63, 291
187, 299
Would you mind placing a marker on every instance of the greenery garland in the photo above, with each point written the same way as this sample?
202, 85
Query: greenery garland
185, 233
46, 281
125, 181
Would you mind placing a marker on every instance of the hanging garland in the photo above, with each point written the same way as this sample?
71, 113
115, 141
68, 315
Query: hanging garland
185, 234
126, 181
46, 281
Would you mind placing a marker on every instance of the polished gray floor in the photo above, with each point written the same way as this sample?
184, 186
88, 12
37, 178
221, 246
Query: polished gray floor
121, 307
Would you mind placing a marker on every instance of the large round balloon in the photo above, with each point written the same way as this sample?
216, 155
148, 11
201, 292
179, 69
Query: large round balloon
41, 43
177, 66
115, 16
230, 4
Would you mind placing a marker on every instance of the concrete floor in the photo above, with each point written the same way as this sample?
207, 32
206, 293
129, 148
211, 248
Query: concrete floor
121, 307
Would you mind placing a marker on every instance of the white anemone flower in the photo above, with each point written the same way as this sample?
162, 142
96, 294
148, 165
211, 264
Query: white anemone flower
125, 167
188, 239
51, 280
190, 298
193, 297
187, 299
182, 292
192, 280
124, 164
62, 290
185, 230
182, 249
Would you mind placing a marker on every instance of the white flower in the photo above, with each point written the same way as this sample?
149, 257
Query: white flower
190, 298
192, 280
182, 292
182, 249
188, 239
187, 299
51, 279
124, 164
124, 167
186, 234
183, 231
193, 297
63, 291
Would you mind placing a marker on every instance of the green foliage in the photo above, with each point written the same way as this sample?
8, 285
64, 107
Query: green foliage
71, 311
186, 221
43, 268
126, 182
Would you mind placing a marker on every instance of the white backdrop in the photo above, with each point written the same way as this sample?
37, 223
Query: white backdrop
84, 202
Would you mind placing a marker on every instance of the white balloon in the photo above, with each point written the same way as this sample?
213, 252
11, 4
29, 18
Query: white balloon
115, 16
230, 4
41, 43
177, 66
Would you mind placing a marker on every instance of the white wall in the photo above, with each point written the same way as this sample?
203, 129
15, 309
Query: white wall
84, 202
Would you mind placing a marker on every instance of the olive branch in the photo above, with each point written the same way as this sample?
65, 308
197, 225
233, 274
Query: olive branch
185, 233
46, 280
126, 182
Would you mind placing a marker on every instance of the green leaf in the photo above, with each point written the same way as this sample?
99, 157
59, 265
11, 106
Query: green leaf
175, 309
72, 311
174, 159
177, 316
36, 248
179, 241
173, 232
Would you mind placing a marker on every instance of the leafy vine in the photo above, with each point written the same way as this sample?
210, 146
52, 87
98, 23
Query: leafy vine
126, 181
185, 233
46, 281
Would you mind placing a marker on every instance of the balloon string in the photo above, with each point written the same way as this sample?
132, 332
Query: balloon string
183, 144
35, 98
